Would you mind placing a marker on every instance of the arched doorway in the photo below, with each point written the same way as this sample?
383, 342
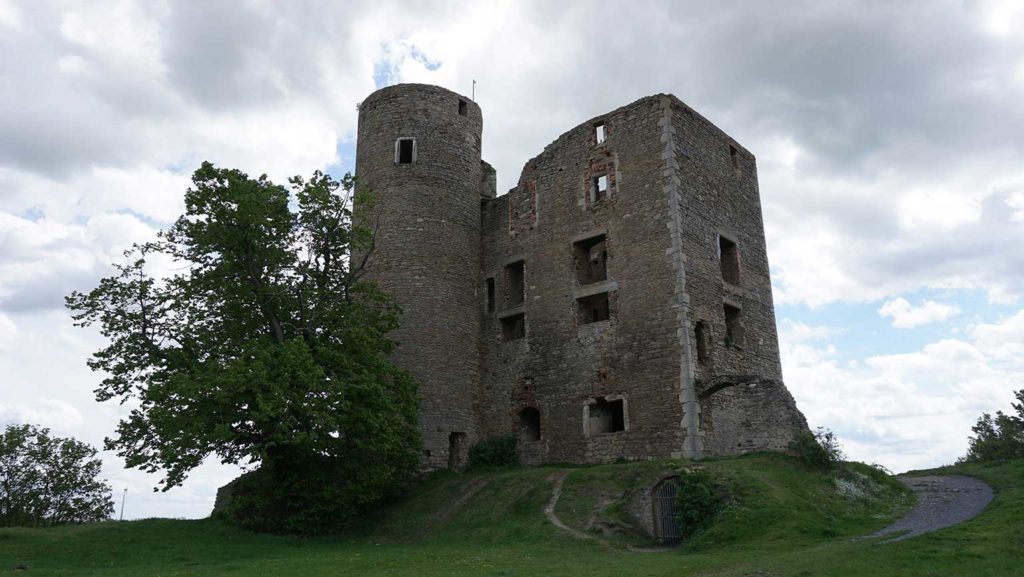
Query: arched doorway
663, 508
458, 447
529, 425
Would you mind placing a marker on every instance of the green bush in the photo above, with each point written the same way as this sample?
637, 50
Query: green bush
697, 502
819, 450
495, 451
309, 494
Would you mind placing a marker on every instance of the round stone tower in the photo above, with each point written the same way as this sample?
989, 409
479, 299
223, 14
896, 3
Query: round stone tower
418, 153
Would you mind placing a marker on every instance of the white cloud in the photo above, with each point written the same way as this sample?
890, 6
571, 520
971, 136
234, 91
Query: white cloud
1003, 340
51, 413
43, 260
1002, 17
1016, 202
905, 411
9, 15
906, 316
8, 332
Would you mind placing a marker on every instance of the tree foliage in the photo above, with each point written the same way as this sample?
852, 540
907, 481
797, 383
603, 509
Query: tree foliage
998, 438
47, 480
262, 342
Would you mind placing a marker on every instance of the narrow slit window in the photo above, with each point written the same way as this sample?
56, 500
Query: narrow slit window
734, 157
405, 151
513, 327
490, 295
599, 135
729, 256
463, 107
700, 336
600, 188
515, 283
591, 258
606, 416
733, 326
593, 309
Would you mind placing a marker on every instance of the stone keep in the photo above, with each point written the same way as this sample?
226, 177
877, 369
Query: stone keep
615, 304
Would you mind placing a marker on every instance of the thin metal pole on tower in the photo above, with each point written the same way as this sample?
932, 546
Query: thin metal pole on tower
474, 91
123, 497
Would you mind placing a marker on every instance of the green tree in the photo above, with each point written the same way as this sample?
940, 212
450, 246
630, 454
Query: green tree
998, 438
264, 345
47, 480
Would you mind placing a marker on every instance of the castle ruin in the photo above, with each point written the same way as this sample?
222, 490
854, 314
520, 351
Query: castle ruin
615, 304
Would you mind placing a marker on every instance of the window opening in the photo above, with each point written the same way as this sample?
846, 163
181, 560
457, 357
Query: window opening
457, 451
729, 256
463, 107
405, 151
591, 257
734, 157
600, 188
733, 326
490, 295
701, 337
529, 425
515, 277
513, 327
592, 309
606, 416
599, 132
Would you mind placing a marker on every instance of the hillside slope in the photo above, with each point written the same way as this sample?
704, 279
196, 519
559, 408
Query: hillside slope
783, 520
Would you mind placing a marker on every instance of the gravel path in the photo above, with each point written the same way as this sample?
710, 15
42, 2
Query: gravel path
941, 501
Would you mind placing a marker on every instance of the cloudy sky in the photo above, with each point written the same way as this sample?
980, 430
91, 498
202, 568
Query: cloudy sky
889, 137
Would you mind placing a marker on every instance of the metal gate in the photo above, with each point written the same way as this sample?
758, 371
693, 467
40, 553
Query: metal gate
663, 505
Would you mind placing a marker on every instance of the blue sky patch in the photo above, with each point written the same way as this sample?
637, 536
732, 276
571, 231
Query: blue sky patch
860, 332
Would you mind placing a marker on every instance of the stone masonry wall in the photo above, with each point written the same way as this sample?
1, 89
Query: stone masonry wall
562, 363
427, 249
719, 198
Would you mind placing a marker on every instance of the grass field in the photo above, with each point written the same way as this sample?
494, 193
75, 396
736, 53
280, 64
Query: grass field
784, 521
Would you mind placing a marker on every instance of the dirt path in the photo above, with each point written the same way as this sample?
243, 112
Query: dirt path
942, 501
549, 511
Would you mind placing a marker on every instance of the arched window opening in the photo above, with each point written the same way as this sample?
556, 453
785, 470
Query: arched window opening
529, 425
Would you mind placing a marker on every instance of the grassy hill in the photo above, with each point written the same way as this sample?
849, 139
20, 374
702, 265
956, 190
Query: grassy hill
783, 520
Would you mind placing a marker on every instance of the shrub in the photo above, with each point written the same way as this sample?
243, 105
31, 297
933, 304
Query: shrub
819, 449
310, 495
697, 502
495, 451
